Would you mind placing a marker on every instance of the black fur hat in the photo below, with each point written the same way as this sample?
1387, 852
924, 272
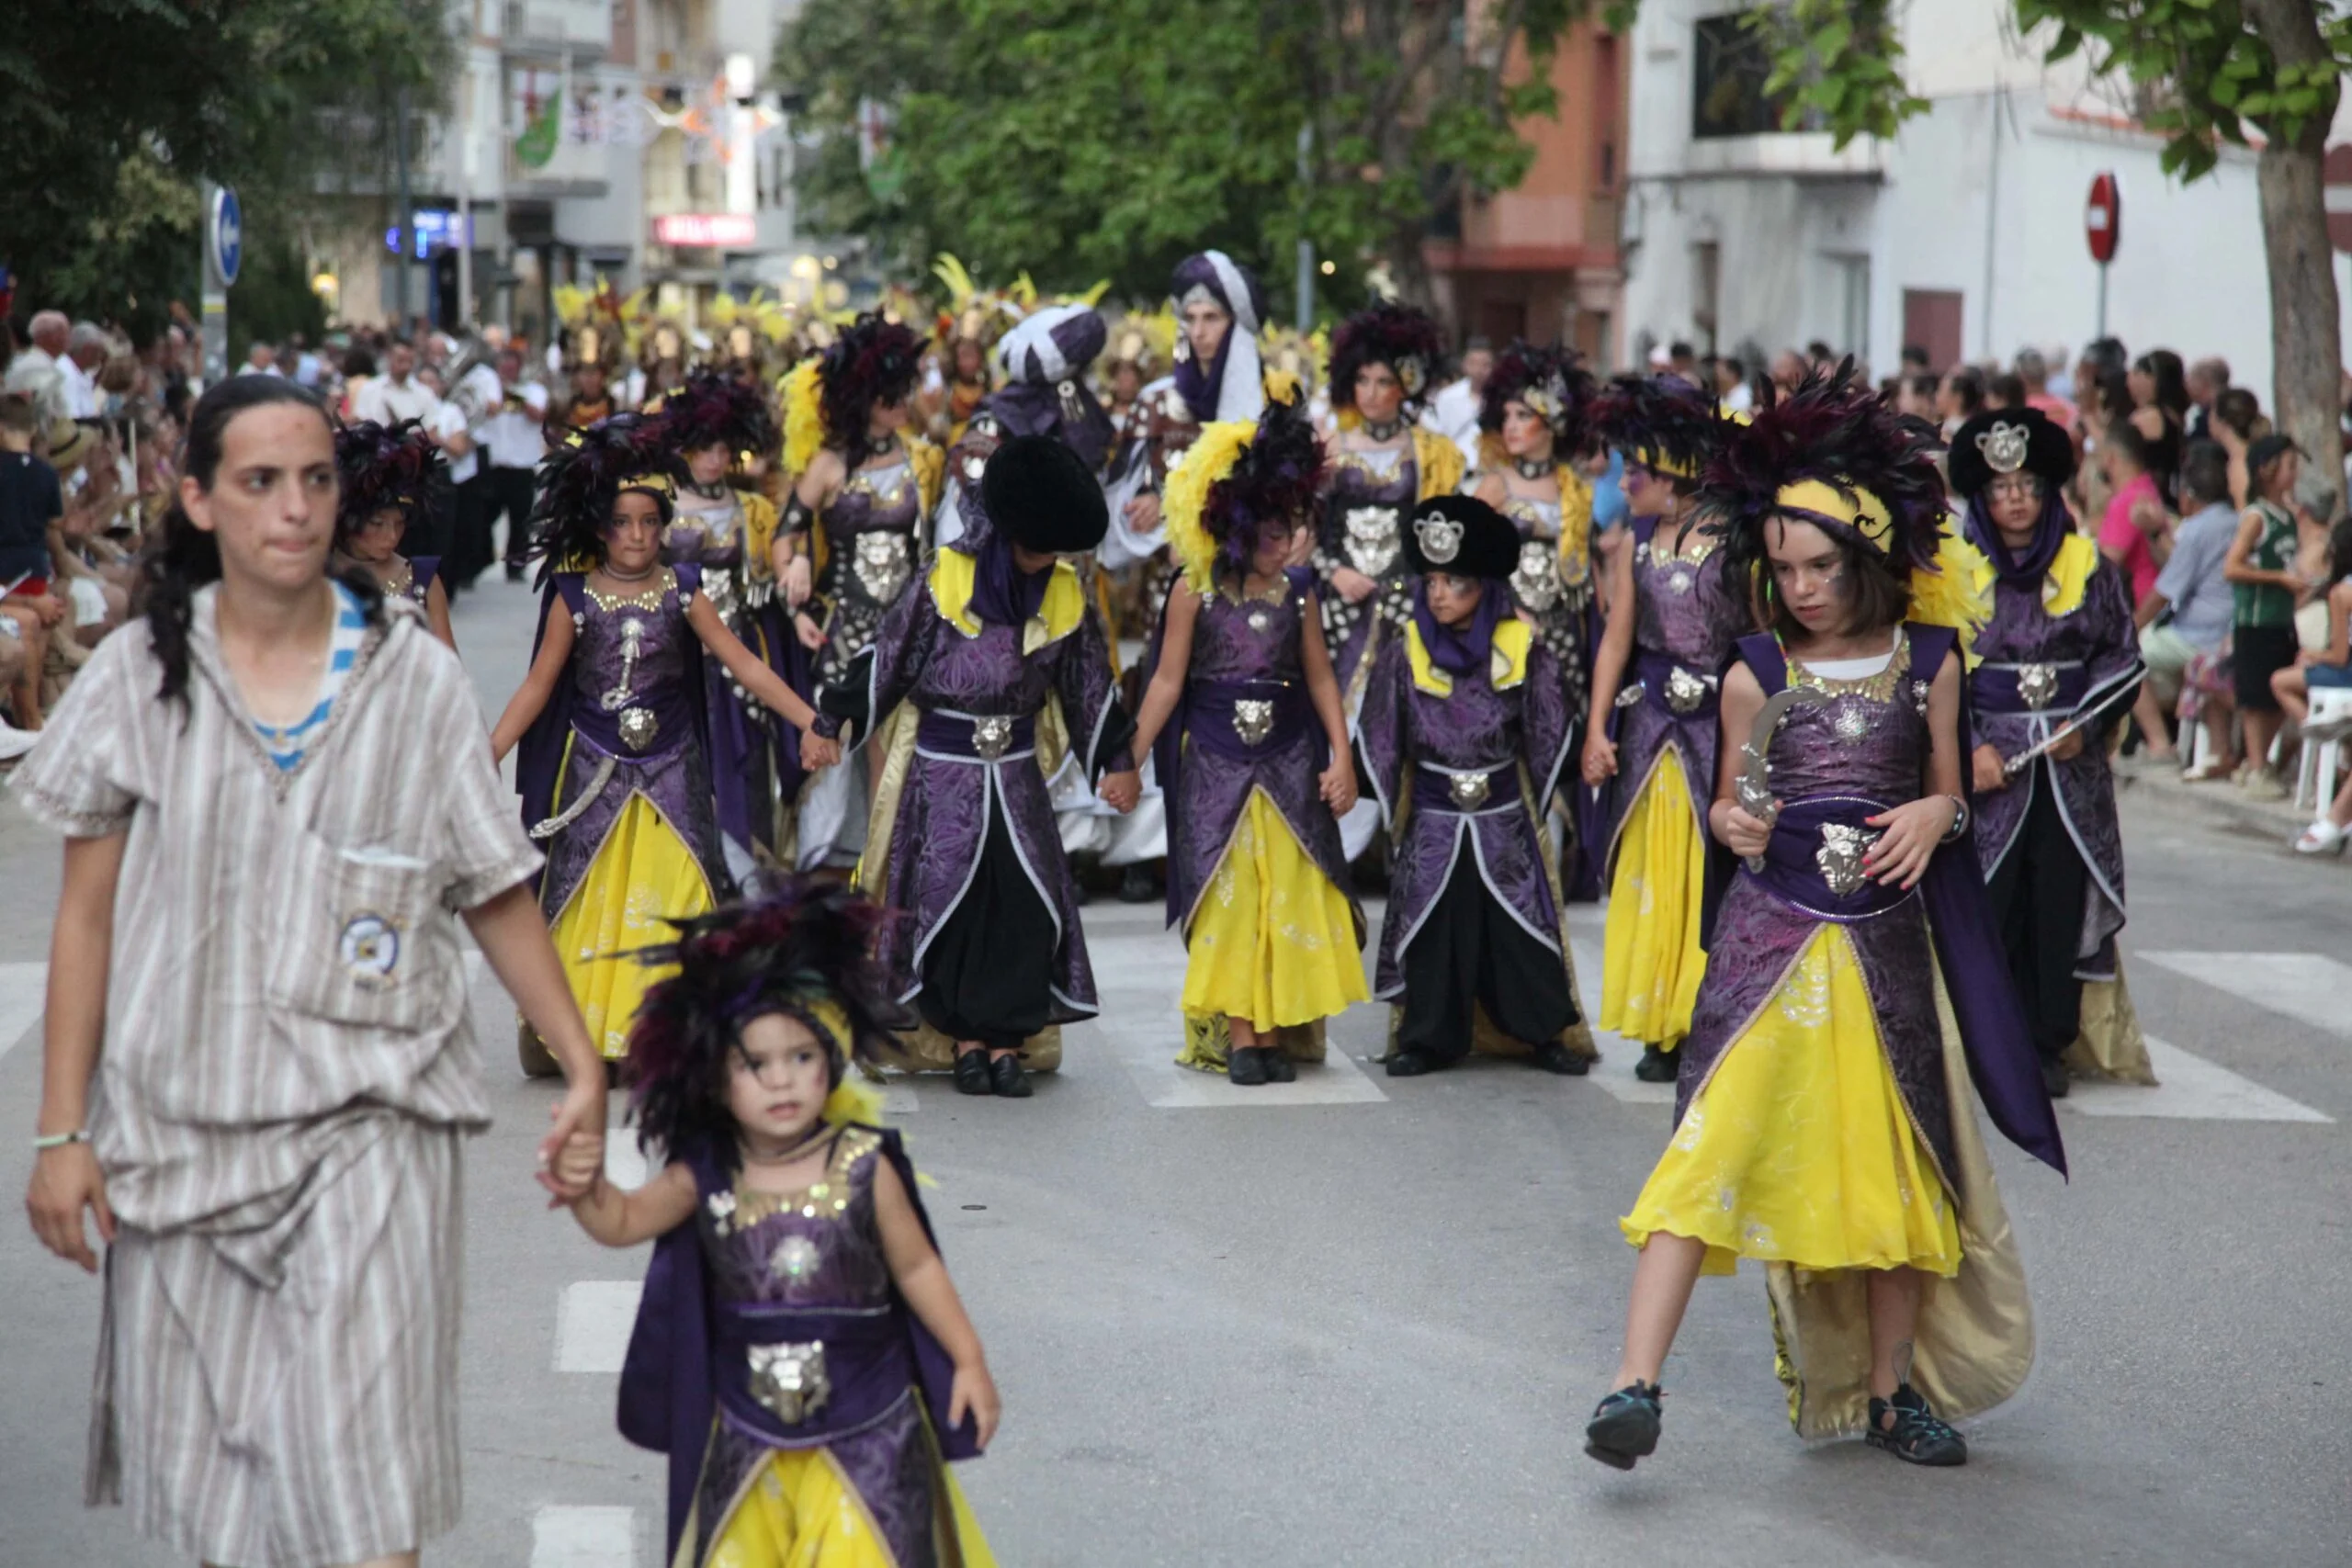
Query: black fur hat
2006, 441
1041, 495
1461, 536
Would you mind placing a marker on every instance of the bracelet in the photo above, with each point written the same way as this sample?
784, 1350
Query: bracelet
59, 1140
1959, 818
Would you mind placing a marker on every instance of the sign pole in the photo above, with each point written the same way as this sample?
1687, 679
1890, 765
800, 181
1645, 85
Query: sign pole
224, 250
2102, 298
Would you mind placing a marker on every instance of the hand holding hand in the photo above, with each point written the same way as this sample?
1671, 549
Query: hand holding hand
1985, 763
804, 627
1600, 759
66, 1179
1908, 840
1121, 791
1744, 834
1353, 585
798, 581
580, 1161
1143, 513
973, 1393
817, 752
581, 1112
1339, 785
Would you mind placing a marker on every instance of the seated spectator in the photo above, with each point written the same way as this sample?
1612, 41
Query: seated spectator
2330, 666
14, 742
93, 485
30, 502
2188, 611
2260, 568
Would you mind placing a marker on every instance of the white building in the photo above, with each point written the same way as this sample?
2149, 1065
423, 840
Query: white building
1963, 234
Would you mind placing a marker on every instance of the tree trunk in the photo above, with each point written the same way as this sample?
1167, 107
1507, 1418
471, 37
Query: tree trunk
1409, 266
2305, 313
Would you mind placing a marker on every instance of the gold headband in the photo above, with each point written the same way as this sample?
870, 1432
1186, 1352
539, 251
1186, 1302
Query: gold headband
658, 484
1659, 462
829, 1016
1858, 509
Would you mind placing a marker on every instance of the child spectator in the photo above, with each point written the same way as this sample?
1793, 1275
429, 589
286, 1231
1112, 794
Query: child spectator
2264, 586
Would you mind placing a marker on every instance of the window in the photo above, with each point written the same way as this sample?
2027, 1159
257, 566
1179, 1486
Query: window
1604, 110
1706, 288
1727, 96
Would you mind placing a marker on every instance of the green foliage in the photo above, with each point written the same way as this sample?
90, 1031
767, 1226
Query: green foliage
1090, 138
1839, 64
2211, 77
112, 113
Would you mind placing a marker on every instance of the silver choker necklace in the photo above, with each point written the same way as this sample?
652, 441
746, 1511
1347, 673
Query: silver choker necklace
1383, 434
1535, 468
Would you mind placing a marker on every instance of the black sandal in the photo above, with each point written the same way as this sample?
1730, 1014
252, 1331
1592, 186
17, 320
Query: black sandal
1245, 1065
1624, 1426
972, 1073
1412, 1064
1555, 1057
1279, 1066
1918, 1435
1655, 1066
1007, 1078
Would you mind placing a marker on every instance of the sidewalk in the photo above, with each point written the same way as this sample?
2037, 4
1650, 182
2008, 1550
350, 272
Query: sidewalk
2223, 805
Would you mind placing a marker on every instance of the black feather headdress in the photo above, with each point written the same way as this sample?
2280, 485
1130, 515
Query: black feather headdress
805, 950
1549, 380
1833, 453
711, 408
580, 479
378, 467
1398, 336
1663, 422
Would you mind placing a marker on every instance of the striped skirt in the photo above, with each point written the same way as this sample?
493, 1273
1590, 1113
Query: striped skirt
296, 1408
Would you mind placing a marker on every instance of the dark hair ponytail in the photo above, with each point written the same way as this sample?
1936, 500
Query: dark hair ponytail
182, 558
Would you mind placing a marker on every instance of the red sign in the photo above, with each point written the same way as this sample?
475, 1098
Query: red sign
707, 230
2336, 176
2103, 218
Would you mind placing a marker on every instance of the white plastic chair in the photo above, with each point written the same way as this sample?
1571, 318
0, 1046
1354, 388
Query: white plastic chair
2315, 779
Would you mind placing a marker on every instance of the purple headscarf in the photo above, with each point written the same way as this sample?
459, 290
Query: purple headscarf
1004, 594
1467, 650
2050, 530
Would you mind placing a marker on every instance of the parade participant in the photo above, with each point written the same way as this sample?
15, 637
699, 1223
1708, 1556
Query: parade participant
1537, 408
1045, 392
1673, 616
390, 480
591, 394
800, 1352
1252, 757
1382, 463
615, 769
1464, 734
1854, 981
997, 646
855, 527
259, 1065
727, 532
2053, 666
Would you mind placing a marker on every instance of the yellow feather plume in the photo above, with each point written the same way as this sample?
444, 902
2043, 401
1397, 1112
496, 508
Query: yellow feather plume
804, 416
1212, 457
959, 282
1958, 593
854, 1100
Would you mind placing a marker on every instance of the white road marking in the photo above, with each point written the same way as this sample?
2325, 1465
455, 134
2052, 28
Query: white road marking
593, 1324
24, 989
2190, 1088
572, 1537
2305, 987
1614, 1071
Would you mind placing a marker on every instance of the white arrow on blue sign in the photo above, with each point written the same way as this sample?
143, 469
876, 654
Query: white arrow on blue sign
228, 233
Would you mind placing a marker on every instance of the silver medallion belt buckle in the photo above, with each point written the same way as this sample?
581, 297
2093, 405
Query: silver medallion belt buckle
2037, 684
1253, 719
790, 1381
1684, 691
990, 735
1840, 856
1469, 790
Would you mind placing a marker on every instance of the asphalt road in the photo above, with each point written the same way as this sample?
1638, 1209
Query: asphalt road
1357, 1322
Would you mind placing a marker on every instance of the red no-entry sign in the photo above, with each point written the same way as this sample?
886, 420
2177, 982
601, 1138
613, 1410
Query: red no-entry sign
2335, 175
2103, 218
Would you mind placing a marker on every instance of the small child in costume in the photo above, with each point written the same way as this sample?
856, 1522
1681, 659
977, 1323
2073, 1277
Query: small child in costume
800, 1352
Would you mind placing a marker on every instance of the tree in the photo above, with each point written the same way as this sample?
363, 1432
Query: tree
1091, 139
116, 111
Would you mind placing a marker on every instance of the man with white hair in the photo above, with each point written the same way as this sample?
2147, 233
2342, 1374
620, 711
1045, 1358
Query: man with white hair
34, 373
87, 347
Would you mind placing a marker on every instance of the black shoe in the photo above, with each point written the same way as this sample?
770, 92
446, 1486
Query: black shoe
513, 571
1280, 1068
1412, 1063
1006, 1076
1135, 886
1245, 1065
1655, 1066
972, 1073
2055, 1078
1624, 1426
1555, 1057
1917, 1436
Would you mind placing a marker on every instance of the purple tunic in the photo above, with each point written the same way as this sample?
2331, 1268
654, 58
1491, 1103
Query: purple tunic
873, 547
1517, 738
2088, 661
737, 723
1685, 619
951, 795
1363, 523
1864, 748
1245, 652
661, 757
750, 1274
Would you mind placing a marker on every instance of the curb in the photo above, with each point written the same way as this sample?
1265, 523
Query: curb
2223, 804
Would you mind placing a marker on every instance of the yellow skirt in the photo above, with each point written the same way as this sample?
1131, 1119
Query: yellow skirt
797, 1512
642, 874
1273, 942
1650, 958
1799, 1149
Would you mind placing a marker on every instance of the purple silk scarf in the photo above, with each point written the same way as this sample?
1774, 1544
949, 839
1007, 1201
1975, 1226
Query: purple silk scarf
2049, 533
1460, 650
1004, 594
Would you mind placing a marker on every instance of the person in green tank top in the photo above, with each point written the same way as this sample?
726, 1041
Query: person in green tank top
2263, 586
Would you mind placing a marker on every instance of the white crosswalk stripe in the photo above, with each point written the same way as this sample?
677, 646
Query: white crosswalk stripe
593, 1322
2189, 1087
2306, 986
1614, 1071
23, 990
584, 1536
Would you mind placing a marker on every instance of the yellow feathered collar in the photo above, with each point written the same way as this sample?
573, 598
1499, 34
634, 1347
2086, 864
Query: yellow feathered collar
1209, 459
953, 574
1959, 593
1507, 668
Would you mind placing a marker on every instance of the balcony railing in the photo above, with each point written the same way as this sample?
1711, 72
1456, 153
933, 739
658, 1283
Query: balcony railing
569, 168
581, 28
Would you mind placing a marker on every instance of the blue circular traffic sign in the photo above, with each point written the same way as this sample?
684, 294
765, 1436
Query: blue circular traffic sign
225, 233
